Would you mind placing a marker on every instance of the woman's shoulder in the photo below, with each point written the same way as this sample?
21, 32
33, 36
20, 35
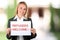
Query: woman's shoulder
11, 19
29, 18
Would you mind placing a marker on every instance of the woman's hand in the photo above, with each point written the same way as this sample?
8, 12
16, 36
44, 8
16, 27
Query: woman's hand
33, 30
8, 30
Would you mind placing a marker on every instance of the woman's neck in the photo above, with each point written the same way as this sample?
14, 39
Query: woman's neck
19, 16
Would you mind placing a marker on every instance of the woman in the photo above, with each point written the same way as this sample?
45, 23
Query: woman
20, 16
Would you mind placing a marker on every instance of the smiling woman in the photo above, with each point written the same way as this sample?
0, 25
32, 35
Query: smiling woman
21, 11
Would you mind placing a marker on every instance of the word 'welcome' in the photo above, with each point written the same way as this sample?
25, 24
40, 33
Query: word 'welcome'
17, 29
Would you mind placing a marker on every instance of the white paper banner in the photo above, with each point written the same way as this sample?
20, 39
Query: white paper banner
20, 28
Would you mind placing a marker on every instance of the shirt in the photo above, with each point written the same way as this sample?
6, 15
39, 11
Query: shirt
20, 20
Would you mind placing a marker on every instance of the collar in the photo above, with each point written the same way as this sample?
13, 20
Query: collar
16, 17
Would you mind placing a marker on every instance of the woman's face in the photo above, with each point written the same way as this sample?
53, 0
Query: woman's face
22, 9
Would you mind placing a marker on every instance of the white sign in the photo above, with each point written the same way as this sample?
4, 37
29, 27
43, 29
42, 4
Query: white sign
20, 28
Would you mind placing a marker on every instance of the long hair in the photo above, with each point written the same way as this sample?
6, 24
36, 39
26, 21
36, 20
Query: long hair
16, 11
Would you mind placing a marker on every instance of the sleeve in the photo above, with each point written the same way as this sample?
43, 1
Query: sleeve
8, 26
32, 35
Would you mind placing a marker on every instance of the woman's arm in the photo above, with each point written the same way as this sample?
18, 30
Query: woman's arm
8, 30
8, 33
33, 32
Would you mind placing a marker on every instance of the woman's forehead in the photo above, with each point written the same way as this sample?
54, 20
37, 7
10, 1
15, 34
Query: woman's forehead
22, 4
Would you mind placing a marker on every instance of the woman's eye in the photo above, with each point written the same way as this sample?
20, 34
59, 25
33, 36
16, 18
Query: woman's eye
21, 8
24, 9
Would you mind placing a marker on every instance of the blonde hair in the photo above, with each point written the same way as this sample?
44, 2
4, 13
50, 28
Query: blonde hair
16, 11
